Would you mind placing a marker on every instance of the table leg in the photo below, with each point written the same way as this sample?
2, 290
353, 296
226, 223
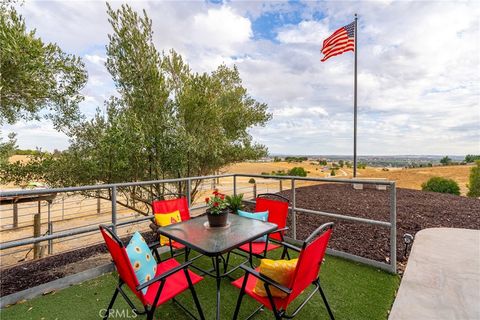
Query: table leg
219, 279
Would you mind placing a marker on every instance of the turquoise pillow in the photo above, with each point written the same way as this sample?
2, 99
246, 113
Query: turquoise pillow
262, 216
142, 260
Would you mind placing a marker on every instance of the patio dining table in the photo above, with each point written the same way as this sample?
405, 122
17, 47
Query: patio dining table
214, 242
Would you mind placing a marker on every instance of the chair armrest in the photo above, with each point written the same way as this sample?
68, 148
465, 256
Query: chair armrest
290, 246
266, 279
164, 275
279, 230
154, 245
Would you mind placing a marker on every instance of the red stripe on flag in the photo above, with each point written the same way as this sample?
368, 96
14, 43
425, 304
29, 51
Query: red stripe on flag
337, 43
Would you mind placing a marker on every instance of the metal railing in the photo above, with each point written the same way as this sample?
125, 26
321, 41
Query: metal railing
114, 223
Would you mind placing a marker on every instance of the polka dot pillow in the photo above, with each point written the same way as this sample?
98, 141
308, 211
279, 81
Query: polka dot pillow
141, 259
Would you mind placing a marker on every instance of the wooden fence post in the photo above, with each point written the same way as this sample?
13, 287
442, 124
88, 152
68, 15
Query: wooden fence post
98, 202
15, 215
37, 230
281, 185
255, 191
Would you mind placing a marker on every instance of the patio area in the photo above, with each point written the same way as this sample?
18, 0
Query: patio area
354, 291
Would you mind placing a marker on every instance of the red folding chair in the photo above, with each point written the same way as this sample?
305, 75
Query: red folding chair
171, 279
306, 274
168, 206
277, 213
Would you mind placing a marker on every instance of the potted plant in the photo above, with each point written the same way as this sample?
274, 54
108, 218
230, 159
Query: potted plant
235, 202
217, 211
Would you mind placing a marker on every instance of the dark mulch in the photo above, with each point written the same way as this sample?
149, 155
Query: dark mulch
416, 210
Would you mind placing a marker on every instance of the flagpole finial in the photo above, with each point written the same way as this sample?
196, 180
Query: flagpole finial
356, 16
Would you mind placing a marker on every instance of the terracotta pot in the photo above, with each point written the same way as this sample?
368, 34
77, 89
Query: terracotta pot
217, 220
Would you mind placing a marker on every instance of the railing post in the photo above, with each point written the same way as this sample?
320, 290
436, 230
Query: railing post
281, 185
234, 185
50, 242
294, 218
189, 192
255, 190
15, 215
393, 228
114, 209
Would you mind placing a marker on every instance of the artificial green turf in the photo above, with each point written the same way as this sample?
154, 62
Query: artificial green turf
355, 291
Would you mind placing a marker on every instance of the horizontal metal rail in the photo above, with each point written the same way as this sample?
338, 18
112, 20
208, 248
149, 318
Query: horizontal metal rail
349, 181
14, 193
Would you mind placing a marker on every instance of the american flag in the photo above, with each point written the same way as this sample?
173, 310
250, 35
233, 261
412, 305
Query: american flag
340, 41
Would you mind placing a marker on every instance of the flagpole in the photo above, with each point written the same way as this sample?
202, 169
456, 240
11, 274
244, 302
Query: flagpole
355, 104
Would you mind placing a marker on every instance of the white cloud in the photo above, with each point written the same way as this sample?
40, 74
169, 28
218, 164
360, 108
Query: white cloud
418, 67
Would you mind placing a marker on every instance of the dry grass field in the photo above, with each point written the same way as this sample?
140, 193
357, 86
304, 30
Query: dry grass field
405, 178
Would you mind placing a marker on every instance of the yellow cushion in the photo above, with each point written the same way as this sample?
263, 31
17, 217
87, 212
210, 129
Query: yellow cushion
281, 271
165, 219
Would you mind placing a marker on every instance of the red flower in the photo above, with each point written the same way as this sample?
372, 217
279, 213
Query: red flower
222, 196
207, 199
215, 204
215, 192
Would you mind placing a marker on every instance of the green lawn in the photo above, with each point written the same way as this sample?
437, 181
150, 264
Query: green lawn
355, 291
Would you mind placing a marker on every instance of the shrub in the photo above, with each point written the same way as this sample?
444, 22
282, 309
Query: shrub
445, 161
253, 180
442, 185
332, 173
298, 172
474, 181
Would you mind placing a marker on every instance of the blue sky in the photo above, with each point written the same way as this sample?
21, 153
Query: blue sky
418, 68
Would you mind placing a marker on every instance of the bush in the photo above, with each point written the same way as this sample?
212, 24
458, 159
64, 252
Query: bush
298, 172
253, 180
442, 185
332, 173
474, 181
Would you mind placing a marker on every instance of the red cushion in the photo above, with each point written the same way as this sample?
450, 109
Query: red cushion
258, 247
174, 284
251, 282
177, 245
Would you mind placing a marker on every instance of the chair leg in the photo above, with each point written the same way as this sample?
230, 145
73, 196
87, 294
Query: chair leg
240, 297
226, 263
110, 305
194, 295
324, 298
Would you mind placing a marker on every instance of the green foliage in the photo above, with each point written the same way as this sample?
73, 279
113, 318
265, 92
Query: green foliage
322, 162
252, 180
235, 202
332, 173
348, 164
361, 165
442, 185
165, 122
474, 181
277, 159
445, 161
39, 80
341, 163
297, 172
7, 149
296, 159
469, 158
